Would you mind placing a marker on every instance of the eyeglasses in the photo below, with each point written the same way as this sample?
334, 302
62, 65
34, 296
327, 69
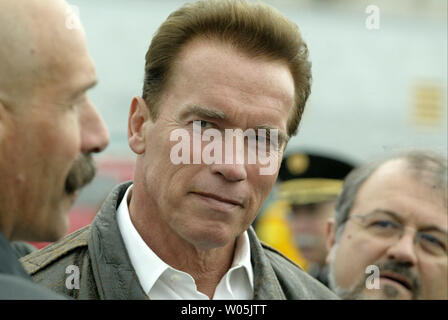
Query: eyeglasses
383, 225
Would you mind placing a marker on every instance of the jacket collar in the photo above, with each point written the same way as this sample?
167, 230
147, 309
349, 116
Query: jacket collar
266, 284
116, 278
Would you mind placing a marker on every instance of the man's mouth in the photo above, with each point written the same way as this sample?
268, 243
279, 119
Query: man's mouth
397, 278
219, 198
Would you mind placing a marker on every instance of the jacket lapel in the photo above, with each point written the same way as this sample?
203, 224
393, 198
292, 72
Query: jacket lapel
266, 284
114, 275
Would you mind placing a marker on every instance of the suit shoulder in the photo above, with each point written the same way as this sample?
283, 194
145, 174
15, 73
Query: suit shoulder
42, 258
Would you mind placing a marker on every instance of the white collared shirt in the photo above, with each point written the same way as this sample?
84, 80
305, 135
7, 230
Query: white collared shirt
161, 281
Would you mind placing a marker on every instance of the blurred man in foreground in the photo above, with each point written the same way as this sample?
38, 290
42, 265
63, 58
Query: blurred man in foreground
390, 235
181, 230
48, 130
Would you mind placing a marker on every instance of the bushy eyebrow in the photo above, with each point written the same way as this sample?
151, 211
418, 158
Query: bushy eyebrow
282, 136
434, 228
392, 214
202, 112
207, 113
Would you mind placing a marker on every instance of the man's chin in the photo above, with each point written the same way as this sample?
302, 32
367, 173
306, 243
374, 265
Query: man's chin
51, 232
71, 198
58, 224
59, 229
385, 293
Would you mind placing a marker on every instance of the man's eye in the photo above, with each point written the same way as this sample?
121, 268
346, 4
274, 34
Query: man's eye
385, 224
432, 240
202, 123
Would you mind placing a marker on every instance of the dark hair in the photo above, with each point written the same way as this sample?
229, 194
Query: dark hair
256, 29
427, 167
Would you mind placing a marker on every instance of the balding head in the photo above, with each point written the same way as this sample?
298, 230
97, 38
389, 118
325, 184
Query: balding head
36, 47
392, 216
48, 126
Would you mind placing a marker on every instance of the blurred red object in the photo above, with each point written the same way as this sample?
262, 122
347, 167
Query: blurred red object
111, 172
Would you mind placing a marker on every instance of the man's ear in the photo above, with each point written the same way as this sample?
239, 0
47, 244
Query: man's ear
331, 239
138, 116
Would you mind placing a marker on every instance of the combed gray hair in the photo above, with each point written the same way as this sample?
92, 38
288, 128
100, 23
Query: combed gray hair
427, 167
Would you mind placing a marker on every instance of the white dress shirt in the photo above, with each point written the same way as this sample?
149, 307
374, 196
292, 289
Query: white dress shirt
161, 281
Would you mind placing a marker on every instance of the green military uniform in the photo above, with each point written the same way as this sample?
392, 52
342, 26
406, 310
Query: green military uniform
105, 271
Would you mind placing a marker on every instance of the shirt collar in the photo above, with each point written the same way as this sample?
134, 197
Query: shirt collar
242, 256
141, 255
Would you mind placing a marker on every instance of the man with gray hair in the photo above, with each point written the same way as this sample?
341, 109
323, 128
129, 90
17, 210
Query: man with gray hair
389, 237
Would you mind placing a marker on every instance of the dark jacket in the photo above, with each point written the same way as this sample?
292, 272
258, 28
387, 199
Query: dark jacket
106, 272
15, 283
22, 248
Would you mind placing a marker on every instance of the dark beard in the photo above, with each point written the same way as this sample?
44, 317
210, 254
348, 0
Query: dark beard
82, 172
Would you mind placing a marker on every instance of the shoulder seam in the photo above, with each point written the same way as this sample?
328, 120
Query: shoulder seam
42, 258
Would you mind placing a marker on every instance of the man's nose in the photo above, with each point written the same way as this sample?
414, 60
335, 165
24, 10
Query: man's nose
232, 164
94, 133
231, 172
403, 250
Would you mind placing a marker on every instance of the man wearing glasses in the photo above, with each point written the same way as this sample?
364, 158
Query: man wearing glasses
390, 229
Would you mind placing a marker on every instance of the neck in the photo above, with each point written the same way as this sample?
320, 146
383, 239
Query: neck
207, 266
5, 226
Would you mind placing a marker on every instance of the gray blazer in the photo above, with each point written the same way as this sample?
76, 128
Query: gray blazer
105, 271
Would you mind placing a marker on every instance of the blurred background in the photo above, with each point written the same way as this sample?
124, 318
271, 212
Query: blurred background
379, 78
374, 90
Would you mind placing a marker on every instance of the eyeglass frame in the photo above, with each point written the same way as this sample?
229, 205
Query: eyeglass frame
396, 218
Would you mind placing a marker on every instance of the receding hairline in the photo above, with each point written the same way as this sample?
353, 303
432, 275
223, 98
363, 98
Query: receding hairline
215, 41
358, 177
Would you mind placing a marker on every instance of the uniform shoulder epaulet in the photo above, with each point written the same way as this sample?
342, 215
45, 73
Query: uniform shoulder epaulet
41, 258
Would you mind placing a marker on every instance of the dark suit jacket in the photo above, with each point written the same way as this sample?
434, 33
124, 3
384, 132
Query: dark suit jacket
15, 283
